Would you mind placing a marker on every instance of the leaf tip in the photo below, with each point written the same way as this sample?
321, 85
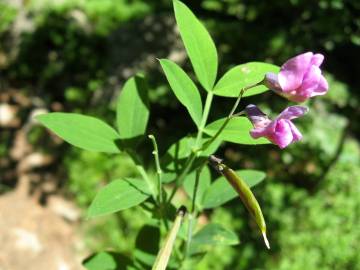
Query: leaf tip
40, 117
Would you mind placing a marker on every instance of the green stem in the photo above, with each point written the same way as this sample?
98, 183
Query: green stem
193, 154
158, 167
192, 214
143, 173
204, 118
196, 186
230, 115
147, 180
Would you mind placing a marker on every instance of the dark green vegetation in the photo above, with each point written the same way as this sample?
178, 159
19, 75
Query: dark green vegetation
76, 55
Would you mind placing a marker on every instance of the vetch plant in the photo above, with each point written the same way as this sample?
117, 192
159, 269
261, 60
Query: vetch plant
185, 163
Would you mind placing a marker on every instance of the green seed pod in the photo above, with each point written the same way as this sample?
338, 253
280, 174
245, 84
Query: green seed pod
245, 194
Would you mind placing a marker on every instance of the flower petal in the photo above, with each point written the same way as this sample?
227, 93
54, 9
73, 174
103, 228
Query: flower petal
272, 81
282, 135
295, 132
293, 71
317, 59
258, 132
311, 81
322, 87
256, 116
293, 112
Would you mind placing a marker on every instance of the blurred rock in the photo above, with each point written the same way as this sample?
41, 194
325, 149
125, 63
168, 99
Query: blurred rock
35, 238
8, 118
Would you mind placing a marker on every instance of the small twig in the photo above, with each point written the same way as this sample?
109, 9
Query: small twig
142, 172
231, 114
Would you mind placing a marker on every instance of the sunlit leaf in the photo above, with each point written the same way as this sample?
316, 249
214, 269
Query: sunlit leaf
118, 195
101, 261
184, 89
244, 75
199, 45
83, 131
132, 112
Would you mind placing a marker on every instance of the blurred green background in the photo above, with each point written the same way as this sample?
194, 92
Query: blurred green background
74, 55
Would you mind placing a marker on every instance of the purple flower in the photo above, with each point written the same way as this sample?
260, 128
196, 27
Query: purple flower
280, 131
300, 78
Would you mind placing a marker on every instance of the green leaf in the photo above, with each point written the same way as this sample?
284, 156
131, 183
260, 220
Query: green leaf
236, 131
221, 190
83, 131
212, 235
101, 261
175, 157
132, 112
184, 89
198, 44
204, 183
118, 195
147, 244
244, 75
108, 261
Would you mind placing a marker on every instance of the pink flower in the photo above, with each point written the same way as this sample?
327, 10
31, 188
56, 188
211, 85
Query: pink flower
280, 131
300, 78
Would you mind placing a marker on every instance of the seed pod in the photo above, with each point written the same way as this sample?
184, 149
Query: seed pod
164, 254
245, 194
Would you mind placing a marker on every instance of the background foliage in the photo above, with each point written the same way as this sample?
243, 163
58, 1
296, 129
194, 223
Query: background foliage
75, 55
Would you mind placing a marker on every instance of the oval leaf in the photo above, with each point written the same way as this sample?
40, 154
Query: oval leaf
83, 131
132, 112
221, 191
184, 89
118, 195
198, 44
244, 75
236, 131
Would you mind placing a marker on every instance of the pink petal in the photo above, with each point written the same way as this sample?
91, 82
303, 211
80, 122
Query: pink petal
283, 135
258, 132
293, 71
293, 112
317, 59
322, 87
295, 132
266, 131
311, 81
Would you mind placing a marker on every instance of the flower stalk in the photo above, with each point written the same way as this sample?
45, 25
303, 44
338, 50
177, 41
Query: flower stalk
158, 167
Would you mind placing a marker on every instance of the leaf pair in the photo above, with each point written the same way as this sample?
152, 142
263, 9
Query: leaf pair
90, 133
204, 59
